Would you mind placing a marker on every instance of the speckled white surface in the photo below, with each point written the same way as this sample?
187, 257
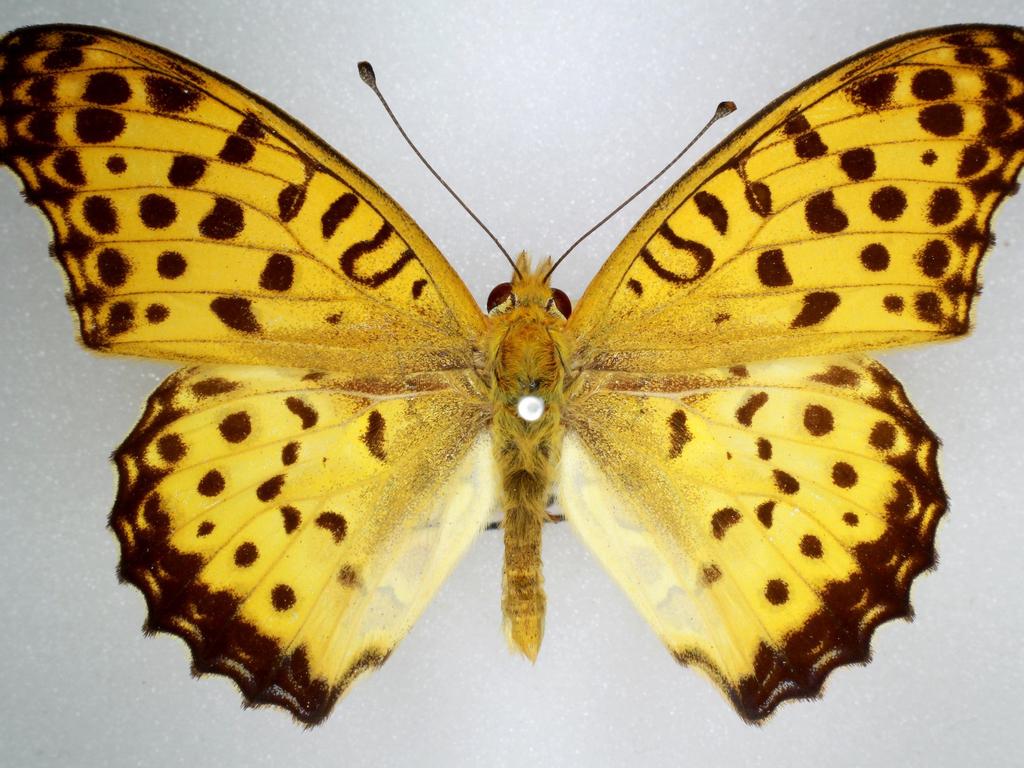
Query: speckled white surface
543, 117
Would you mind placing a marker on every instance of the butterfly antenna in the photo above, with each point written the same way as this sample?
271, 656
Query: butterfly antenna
368, 77
723, 109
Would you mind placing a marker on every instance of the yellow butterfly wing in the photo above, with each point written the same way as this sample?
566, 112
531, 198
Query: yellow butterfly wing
850, 214
289, 524
196, 222
765, 517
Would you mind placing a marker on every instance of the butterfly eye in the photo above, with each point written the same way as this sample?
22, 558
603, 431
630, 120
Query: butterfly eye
500, 294
562, 303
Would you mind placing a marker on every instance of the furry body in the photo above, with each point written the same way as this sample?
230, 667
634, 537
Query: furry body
526, 350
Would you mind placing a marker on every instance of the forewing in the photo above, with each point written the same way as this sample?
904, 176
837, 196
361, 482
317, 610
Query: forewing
291, 527
763, 519
850, 214
197, 222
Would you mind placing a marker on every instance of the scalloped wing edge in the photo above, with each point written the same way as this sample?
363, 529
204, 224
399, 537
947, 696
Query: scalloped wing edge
286, 681
756, 703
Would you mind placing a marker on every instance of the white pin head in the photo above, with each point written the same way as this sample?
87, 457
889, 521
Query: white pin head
530, 407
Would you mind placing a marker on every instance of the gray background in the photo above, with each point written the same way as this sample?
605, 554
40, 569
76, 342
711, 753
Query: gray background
543, 118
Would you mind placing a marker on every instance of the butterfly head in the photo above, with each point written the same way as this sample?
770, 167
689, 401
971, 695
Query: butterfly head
529, 287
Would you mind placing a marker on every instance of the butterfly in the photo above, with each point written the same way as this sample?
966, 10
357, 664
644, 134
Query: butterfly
348, 419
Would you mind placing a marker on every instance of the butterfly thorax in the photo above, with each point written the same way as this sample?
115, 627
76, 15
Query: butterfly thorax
525, 351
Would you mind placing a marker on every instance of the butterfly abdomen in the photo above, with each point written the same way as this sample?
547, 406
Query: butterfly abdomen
527, 456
